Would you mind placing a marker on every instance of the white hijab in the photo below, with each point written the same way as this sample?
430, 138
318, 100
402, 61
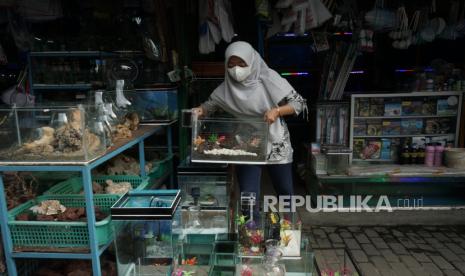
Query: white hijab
263, 89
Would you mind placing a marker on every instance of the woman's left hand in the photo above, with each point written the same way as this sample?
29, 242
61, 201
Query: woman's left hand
271, 115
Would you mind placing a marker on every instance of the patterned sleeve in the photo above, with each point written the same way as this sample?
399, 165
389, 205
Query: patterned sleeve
297, 102
209, 107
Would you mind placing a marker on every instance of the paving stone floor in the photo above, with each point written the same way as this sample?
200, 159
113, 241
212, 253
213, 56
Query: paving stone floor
386, 250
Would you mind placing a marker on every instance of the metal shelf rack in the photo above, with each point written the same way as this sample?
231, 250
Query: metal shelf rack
84, 168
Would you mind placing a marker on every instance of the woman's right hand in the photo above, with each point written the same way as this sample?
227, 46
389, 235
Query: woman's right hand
198, 111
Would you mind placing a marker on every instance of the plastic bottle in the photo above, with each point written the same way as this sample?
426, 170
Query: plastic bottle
414, 154
429, 155
405, 155
421, 155
438, 151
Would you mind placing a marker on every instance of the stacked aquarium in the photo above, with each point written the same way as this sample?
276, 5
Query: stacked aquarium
145, 223
229, 140
153, 105
52, 134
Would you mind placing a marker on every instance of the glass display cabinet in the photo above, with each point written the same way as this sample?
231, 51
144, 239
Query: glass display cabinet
228, 140
144, 223
51, 134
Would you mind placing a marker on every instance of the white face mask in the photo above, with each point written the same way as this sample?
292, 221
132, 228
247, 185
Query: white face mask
239, 73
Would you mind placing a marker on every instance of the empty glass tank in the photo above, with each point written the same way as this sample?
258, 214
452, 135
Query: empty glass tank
51, 134
229, 140
144, 223
151, 104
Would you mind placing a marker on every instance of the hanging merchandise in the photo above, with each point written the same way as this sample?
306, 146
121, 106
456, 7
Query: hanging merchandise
3, 57
19, 31
263, 9
215, 24
380, 18
304, 15
16, 94
40, 10
366, 40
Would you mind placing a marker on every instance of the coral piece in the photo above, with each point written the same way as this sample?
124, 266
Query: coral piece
48, 207
132, 121
67, 139
117, 188
19, 190
122, 132
198, 141
97, 188
75, 119
44, 144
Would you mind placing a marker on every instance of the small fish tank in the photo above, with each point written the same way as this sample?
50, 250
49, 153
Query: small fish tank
51, 134
298, 266
286, 228
249, 226
229, 140
153, 105
144, 223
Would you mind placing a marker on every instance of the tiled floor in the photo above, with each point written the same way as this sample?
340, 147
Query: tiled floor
396, 250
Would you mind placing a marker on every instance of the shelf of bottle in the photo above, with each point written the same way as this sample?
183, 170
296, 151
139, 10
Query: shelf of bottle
403, 117
78, 86
402, 135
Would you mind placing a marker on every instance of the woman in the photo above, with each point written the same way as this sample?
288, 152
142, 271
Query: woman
252, 89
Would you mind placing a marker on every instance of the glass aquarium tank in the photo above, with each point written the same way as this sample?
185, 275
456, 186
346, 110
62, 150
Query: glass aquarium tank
286, 228
153, 105
229, 140
273, 263
144, 224
249, 226
52, 134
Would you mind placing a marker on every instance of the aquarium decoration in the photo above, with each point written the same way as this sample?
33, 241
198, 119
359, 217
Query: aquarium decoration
250, 237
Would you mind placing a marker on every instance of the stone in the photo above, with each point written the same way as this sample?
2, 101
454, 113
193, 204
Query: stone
460, 266
319, 233
370, 249
452, 273
368, 269
354, 229
449, 255
335, 238
323, 243
345, 235
371, 233
397, 233
389, 256
400, 269
407, 243
398, 248
441, 262
351, 244
440, 237
455, 248
421, 257
432, 269
379, 243
410, 262
424, 234
359, 256
362, 238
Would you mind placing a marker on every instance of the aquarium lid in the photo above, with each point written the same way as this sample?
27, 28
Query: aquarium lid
146, 205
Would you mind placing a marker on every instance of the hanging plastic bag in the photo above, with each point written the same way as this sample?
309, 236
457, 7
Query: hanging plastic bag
16, 94
379, 18
3, 57
121, 100
222, 12
316, 14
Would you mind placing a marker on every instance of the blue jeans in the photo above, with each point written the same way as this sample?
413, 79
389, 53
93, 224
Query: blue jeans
249, 177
